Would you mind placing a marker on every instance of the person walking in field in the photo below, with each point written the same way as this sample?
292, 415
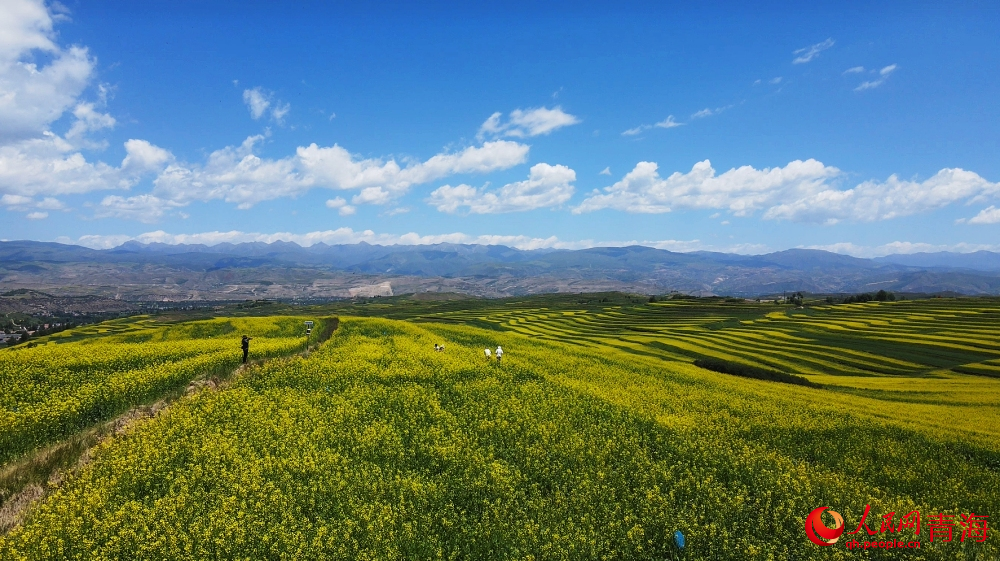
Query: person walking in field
488, 357
245, 343
499, 354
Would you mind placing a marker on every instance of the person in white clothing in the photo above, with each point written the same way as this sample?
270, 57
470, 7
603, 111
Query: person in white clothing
499, 354
488, 357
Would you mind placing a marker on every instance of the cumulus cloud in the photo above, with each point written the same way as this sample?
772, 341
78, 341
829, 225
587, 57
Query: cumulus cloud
37, 215
546, 186
605, 171
806, 54
741, 190
33, 95
522, 123
855, 70
143, 156
883, 75
883, 200
236, 174
258, 101
802, 191
50, 166
341, 205
34, 161
989, 215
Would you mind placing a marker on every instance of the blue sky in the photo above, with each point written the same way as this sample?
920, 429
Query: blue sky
866, 129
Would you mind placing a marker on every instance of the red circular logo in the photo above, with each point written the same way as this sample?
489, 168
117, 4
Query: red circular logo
816, 530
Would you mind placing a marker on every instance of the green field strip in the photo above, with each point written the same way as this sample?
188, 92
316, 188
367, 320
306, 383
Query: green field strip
653, 343
987, 351
838, 346
979, 369
810, 361
865, 362
752, 357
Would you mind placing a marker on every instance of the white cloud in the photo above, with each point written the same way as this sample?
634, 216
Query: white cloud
708, 112
34, 161
989, 215
883, 75
143, 208
668, 123
16, 201
526, 123
605, 171
49, 166
33, 96
34, 209
50, 203
546, 186
88, 120
855, 70
341, 205
236, 175
802, 191
372, 196
874, 200
143, 156
741, 190
279, 111
258, 101
806, 54
774, 81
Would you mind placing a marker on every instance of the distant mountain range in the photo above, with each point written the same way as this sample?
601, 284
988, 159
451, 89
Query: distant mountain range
135, 271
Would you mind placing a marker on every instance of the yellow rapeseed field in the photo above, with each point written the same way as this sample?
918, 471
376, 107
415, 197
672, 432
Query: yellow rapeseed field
379, 447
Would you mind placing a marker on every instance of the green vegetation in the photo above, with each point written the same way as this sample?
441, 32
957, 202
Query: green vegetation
597, 438
745, 371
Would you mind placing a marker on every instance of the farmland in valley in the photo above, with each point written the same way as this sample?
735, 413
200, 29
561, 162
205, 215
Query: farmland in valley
596, 438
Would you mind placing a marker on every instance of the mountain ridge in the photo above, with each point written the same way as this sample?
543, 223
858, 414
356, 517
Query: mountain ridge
154, 271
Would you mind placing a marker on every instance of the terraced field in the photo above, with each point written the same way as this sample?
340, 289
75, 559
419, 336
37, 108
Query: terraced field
943, 353
907, 338
596, 438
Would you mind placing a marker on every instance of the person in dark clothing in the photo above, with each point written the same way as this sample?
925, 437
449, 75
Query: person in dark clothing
246, 347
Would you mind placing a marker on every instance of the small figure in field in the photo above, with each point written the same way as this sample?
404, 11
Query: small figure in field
441, 348
488, 357
245, 343
499, 354
436, 347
